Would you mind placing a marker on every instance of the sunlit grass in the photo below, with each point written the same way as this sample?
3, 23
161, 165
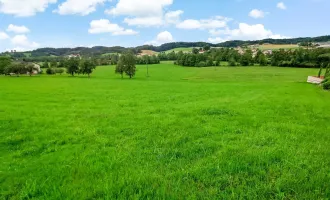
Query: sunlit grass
182, 133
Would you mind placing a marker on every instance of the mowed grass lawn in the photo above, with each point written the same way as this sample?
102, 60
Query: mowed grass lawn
182, 133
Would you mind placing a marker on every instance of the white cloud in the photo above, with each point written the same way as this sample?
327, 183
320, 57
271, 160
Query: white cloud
3, 35
216, 40
212, 23
17, 29
255, 13
22, 42
141, 12
173, 17
281, 5
79, 7
144, 21
139, 7
245, 32
105, 26
24, 8
162, 37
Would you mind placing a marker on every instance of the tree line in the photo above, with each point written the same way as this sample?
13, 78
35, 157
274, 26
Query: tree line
304, 58
73, 66
100, 50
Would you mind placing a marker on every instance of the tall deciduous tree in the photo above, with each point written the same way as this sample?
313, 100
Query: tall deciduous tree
53, 64
87, 66
4, 63
30, 68
120, 68
72, 66
195, 51
207, 48
126, 64
45, 65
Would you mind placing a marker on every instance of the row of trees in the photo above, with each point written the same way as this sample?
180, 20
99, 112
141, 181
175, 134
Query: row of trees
142, 60
307, 58
73, 66
8, 67
80, 66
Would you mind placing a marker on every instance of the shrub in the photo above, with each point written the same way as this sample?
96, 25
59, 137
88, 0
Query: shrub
201, 64
50, 71
209, 63
232, 63
59, 71
326, 84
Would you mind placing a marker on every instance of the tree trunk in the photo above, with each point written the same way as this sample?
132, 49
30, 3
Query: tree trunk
122, 76
88, 75
72, 74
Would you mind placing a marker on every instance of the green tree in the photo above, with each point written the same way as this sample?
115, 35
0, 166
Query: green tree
61, 64
207, 48
53, 64
17, 68
195, 51
30, 68
87, 66
129, 62
232, 62
72, 66
262, 60
4, 63
247, 58
126, 64
45, 65
120, 68
59, 71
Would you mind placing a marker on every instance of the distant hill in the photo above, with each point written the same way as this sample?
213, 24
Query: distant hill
101, 50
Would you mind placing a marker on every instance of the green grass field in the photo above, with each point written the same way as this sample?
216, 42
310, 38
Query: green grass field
184, 50
109, 54
278, 46
182, 133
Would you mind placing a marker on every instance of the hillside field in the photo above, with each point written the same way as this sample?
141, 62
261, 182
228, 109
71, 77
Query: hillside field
278, 46
182, 133
184, 50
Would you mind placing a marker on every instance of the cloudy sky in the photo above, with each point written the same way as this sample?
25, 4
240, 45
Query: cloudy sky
31, 24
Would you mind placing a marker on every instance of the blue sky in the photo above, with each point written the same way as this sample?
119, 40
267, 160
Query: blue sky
31, 24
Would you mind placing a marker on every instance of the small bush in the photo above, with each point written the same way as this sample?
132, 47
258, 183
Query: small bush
209, 63
59, 71
232, 63
50, 71
201, 64
326, 84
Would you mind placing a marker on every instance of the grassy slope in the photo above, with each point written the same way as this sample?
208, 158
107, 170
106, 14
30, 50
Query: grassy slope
278, 46
109, 54
188, 49
184, 133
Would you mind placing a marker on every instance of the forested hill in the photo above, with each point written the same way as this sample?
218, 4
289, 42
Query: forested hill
99, 50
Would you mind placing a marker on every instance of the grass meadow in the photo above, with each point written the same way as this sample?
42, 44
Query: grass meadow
183, 49
278, 46
182, 133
